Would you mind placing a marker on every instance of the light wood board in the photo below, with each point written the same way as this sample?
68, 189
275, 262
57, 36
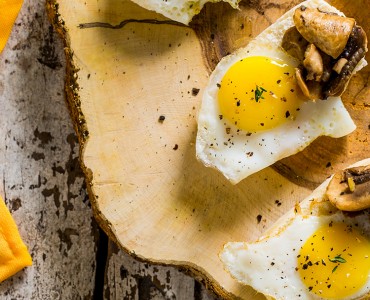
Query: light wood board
127, 67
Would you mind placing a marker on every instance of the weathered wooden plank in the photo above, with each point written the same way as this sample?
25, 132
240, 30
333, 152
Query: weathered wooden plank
39, 170
127, 278
44, 187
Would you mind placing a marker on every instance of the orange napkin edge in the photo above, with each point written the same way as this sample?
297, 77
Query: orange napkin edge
14, 255
9, 10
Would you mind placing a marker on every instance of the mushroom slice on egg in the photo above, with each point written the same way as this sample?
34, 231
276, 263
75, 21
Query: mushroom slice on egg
349, 190
329, 32
353, 53
294, 43
336, 50
311, 89
313, 63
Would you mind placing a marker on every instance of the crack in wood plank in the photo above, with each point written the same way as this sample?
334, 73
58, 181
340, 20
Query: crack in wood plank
101, 264
128, 21
287, 172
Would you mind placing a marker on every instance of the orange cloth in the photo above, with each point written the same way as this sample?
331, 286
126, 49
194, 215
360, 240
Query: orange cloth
14, 255
9, 10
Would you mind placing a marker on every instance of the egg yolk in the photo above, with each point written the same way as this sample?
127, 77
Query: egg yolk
334, 262
259, 93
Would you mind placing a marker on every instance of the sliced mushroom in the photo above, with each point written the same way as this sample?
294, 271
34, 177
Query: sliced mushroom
329, 32
313, 63
353, 53
311, 89
327, 62
349, 190
339, 65
301, 82
294, 43
334, 47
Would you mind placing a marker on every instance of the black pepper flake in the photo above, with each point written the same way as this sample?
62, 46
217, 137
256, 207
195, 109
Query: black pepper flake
228, 129
175, 147
328, 164
195, 91
278, 82
277, 202
249, 154
310, 288
238, 103
272, 263
262, 124
259, 218
221, 117
292, 90
287, 114
218, 85
161, 118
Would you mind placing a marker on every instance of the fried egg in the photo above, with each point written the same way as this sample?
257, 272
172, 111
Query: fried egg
313, 252
179, 10
254, 114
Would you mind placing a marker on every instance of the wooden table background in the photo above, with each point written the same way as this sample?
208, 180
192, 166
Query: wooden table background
44, 188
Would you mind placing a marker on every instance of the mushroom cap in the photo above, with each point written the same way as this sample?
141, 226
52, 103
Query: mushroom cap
329, 32
343, 196
294, 43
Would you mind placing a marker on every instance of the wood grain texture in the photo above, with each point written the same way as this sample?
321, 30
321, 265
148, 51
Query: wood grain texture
44, 187
127, 68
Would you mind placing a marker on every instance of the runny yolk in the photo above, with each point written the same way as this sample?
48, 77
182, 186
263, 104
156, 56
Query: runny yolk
335, 261
259, 93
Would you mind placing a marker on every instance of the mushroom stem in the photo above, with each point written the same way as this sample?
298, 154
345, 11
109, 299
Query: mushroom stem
313, 63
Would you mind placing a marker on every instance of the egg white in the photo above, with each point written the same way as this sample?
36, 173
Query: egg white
250, 263
179, 10
227, 152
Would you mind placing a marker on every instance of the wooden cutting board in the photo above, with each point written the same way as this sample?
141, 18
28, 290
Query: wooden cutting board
134, 85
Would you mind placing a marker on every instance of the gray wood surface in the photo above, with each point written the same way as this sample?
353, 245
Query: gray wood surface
44, 187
